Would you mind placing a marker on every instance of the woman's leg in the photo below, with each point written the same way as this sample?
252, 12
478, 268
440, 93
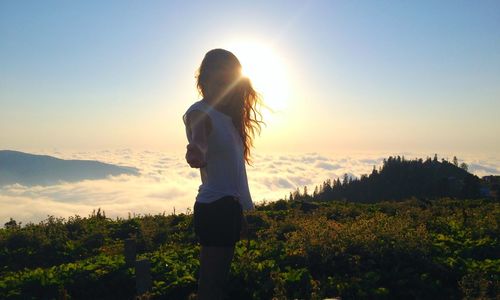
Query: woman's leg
215, 263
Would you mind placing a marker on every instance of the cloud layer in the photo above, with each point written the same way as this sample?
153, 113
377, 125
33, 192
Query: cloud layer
166, 182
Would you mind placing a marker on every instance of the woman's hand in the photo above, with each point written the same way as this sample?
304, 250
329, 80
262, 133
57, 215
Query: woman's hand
195, 157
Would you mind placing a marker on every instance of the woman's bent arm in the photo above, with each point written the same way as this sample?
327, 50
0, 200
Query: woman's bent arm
199, 127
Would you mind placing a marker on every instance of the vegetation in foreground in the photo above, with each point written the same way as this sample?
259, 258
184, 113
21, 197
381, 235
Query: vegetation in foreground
441, 249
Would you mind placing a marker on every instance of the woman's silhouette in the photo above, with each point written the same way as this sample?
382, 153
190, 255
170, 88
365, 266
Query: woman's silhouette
220, 129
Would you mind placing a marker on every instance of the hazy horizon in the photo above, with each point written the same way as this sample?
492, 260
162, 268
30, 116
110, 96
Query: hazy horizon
166, 181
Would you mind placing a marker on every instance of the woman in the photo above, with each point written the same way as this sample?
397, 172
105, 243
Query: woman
220, 129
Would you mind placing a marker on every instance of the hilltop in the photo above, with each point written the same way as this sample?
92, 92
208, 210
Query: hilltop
399, 178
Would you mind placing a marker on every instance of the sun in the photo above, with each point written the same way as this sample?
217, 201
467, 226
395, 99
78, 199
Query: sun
266, 71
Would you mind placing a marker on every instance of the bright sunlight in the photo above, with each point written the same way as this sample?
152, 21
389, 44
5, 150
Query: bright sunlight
266, 71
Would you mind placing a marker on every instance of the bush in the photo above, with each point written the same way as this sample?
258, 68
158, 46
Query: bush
410, 249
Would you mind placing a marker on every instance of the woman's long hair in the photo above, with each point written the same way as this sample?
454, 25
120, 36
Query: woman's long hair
219, 78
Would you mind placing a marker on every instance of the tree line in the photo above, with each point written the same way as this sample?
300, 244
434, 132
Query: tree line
399, 178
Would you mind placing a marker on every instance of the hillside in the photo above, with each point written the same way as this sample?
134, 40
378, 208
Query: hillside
442, 249
30, 169
399, 179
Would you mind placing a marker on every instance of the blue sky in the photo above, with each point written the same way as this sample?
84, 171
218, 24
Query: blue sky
363, 75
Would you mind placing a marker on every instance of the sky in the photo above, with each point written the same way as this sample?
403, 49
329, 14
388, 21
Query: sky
351, 76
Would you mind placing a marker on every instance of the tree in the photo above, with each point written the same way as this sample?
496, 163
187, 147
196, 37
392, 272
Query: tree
337, 182
12, 224
316, 191
296, 194
455, 161
345, 180
464, 166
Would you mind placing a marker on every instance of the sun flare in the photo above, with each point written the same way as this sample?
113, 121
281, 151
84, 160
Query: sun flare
267, 72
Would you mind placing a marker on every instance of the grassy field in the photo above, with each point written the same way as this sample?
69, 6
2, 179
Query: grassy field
440, 249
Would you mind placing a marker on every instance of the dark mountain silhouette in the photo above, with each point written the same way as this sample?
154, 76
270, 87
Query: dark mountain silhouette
400, 179
30, 169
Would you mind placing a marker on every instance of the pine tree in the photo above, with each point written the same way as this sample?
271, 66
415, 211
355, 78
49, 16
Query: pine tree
345, 180
296, 194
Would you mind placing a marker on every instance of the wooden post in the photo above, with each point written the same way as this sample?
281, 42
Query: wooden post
130, 252
143, 276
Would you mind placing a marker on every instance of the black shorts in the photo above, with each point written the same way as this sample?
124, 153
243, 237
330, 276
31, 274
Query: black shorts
218, 223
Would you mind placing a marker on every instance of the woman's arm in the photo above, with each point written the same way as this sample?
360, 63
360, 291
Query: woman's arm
199, 128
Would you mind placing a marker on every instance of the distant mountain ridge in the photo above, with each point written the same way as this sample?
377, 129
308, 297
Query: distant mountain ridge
32, 169
400, 179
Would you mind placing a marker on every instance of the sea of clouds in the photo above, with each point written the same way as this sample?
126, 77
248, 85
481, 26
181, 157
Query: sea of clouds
166, 183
